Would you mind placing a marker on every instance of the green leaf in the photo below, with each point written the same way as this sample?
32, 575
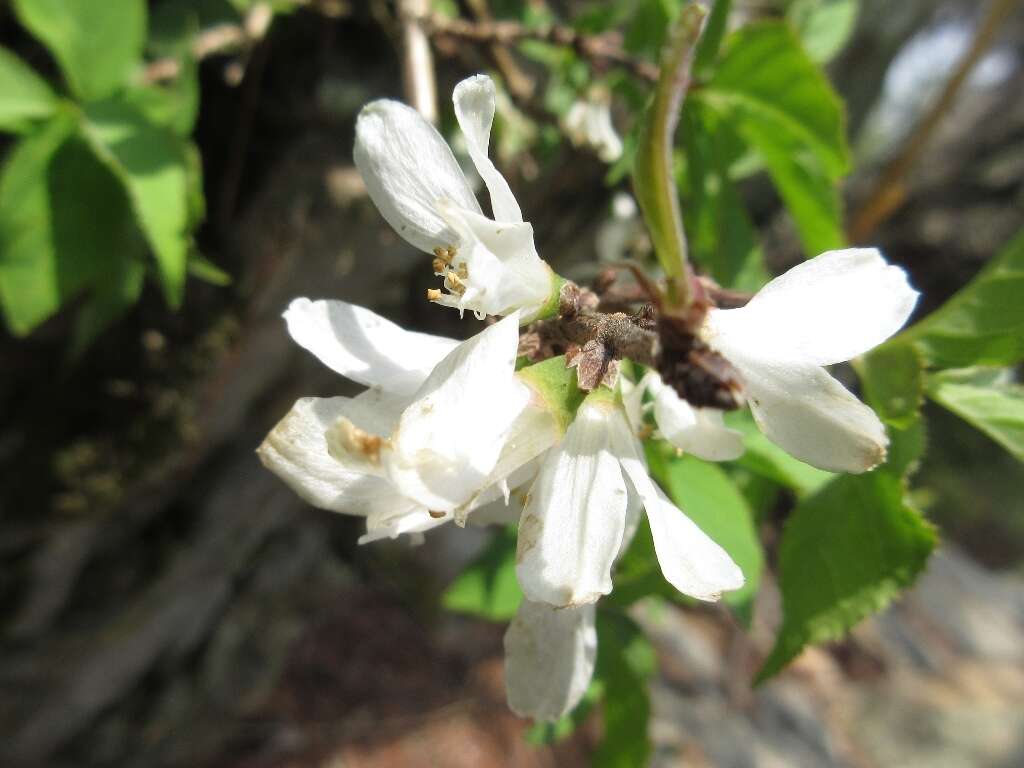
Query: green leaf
487, 587
97, 44
893, 380
845, 554
24, 96
151, 162
65, 223
765, 76
987, 399
625, 660
983, 324
653, 180
777, 99
711, 41
645, 36
762, 457
721, 236
708, 497
824, 26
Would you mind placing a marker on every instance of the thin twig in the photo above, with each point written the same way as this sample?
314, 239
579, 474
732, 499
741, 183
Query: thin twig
417, 59
222, 38
599, 48
891, 190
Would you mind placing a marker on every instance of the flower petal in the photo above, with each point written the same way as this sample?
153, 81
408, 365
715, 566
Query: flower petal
296, 451
809, 414
549, 659
690, 560
700, 431
452, 434
408, 519
574, 520
407, 167
502, 268
364, 346
826, 310
474, 101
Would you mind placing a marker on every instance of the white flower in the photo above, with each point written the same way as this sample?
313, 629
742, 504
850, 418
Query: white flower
442, 427
824, 311
490, 266
588, 123
700, 431
576, 518
549, 659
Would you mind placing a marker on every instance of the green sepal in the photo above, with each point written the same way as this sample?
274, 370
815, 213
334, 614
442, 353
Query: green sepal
549, 309
555, 384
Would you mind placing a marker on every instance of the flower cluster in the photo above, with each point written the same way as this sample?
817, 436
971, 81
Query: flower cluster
447, 430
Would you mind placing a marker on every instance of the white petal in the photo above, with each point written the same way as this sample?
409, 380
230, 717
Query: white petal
633, 399
474, 101
450, 437
364, 346
531, 434
825, 310
503, 270
573, 523
408, 519
690, 560
407, 167
549, 659
805, 411
700, 431
296, 451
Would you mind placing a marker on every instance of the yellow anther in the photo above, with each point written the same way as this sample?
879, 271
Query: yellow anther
439, 265
455, 285
442, 255
433, 294
462, 271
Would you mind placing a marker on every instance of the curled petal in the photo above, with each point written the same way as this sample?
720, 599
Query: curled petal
407, 167
805, 411
573, 523
474, 101
363, 346
549, 659
690, 560
826, 310
296, 451
452, 434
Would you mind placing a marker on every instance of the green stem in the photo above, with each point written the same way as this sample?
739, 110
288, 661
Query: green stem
653, 179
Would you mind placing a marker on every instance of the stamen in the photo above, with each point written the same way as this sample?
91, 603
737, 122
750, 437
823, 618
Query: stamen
433, 294
347, 438
435, 514
439, 265
462, 271
443, 255
454, 283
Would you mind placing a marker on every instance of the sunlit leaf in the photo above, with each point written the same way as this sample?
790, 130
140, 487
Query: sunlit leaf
983, 324
777, 99
64, 224
988, 399
151, 162
846, 552
98, 43
824, 26
24, 96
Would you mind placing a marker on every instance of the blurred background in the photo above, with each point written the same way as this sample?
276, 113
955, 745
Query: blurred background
168, 602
